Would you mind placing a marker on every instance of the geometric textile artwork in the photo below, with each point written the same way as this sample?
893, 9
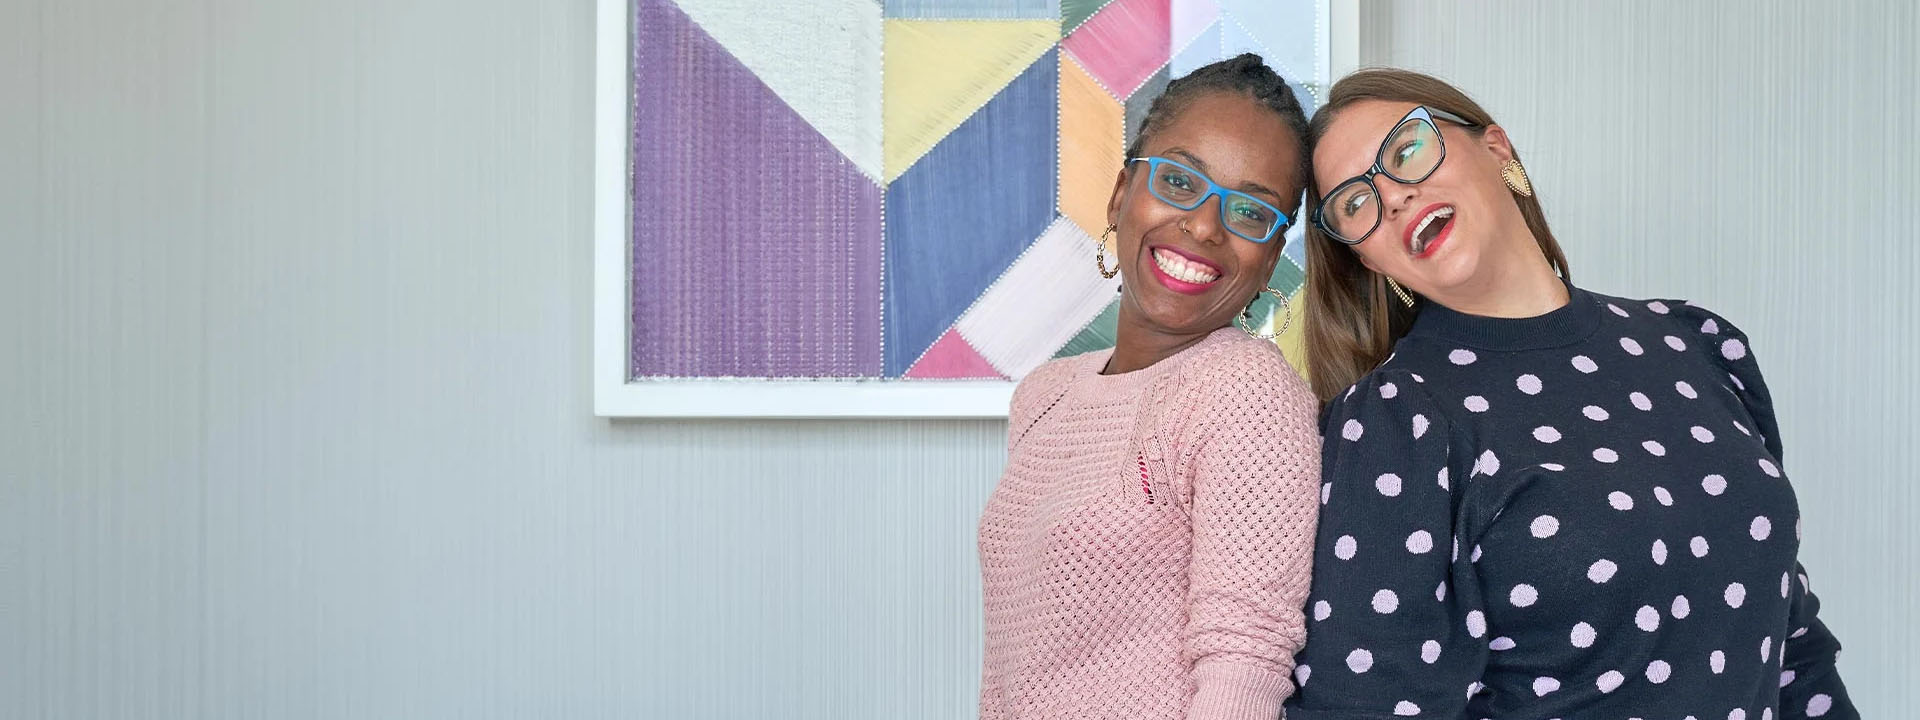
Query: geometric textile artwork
903, 190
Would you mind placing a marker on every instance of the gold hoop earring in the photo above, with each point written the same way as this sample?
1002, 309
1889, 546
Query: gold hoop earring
1516, 177
1246, 316
1402, 292
1100, 256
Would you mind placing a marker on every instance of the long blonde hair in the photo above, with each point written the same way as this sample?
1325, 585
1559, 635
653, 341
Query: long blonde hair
1352, 319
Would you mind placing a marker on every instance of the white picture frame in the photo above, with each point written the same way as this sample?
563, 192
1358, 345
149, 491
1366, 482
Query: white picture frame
615, 394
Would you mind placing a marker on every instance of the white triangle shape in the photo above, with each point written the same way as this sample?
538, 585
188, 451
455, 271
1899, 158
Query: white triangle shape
822, 57
1285, 33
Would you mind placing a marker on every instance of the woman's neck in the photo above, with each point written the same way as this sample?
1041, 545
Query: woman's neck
1522, 286
1138, 348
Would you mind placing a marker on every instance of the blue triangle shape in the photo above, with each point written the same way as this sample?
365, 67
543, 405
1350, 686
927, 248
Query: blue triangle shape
960, 216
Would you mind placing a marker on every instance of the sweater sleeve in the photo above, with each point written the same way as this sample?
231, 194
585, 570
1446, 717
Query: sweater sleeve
1810, 684
1398, 625
1251, 503
1032, 398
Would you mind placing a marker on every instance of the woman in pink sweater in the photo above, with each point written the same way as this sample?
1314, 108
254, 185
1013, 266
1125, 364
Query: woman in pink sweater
1146, 554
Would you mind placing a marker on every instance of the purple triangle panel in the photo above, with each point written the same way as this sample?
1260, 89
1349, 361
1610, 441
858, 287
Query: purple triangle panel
756, 244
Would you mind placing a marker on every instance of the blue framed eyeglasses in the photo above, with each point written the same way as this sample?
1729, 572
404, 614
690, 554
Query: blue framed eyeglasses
1186, 188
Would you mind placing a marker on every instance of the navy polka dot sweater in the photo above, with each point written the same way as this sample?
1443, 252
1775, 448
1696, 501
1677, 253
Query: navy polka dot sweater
1578, 515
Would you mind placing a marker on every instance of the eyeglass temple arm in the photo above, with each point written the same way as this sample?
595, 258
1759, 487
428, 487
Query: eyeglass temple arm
1450, 117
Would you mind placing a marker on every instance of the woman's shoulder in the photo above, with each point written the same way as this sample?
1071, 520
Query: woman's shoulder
1397, 379
1233, 359
1056, 372
1229, 348
1663, 310
1683, 320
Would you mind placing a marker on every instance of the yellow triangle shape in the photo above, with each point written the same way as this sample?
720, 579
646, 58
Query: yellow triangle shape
1293, 342
938, 72
1092, 146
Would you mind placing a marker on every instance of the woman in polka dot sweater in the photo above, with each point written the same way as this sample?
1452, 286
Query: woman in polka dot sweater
1539, 501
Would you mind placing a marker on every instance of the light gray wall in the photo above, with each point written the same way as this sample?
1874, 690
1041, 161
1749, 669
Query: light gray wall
297, 414
1760, 159
294, 411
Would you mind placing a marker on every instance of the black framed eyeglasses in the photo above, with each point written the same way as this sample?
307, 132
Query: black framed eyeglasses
1186, 188
1409, 154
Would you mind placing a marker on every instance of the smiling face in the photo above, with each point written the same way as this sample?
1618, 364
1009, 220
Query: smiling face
1183, 282
1453, 236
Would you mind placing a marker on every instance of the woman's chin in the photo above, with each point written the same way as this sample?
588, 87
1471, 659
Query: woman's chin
1446, 273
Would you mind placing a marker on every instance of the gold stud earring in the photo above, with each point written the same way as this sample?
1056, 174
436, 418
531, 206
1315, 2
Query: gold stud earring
1402, 292
1516, 177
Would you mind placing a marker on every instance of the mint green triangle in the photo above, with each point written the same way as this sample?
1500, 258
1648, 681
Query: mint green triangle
1287, 276
1097, 335
1074, 12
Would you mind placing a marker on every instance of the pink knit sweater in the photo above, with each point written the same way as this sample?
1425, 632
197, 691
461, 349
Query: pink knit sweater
1147, 552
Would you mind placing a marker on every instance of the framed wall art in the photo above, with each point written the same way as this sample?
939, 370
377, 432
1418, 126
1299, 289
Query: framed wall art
879, 208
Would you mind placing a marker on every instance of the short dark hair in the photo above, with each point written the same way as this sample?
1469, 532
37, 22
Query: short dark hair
1246, 74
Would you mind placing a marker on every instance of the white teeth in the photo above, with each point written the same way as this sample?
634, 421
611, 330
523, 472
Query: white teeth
1182, 270
1419, 243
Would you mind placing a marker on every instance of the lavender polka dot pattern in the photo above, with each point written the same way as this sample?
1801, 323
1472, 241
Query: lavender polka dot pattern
1619, 512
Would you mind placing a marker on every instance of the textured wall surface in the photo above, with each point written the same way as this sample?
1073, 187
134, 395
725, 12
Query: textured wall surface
296, 413
297, 417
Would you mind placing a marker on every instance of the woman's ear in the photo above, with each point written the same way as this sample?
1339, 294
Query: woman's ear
1119, 194
1494, 138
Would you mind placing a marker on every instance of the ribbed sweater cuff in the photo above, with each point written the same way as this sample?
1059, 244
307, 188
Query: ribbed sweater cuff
1232, 691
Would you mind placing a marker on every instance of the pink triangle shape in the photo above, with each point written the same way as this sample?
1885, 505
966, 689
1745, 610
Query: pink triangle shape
951, 358
1124, 43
